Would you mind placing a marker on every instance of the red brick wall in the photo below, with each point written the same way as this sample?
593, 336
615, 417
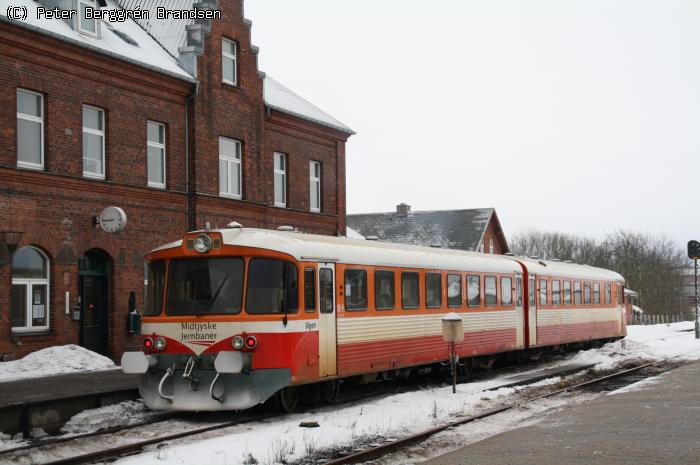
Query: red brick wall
492, 233
55, 207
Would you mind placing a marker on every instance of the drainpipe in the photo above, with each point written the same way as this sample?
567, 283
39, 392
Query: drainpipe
188, 183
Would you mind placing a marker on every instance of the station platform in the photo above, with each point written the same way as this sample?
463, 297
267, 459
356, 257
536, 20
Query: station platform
50, 401
656, 424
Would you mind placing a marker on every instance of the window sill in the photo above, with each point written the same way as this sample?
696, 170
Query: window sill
157, 186
30, 166
32, 332
230, 196
96, 177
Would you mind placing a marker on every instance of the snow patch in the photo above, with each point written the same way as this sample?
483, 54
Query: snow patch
54, 361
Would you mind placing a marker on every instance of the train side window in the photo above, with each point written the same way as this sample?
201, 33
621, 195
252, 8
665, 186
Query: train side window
586, 293
309, 290
556, 292
490, 290
433, 290
519, 291
567, 292
384, 295
577, 292
355, 290
596, 293
620, 294
531, 292
272, 287
325, 291
543, 292
506, 291
454, 290
410, 290
474, 291
608, 293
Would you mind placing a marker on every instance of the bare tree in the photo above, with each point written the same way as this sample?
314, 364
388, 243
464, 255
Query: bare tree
651, 265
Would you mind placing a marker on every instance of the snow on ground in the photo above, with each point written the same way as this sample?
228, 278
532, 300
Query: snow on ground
54, 361
128, 412
398, 415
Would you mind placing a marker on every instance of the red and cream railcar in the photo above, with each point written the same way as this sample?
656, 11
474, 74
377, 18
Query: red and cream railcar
235, 315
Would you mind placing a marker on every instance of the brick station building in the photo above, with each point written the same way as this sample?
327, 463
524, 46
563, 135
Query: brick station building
172, 122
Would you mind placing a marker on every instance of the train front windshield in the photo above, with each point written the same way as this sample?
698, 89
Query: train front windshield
205, 286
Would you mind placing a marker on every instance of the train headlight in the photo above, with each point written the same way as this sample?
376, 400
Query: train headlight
160, 343
202, 243
251, 342
238, 342
147, 343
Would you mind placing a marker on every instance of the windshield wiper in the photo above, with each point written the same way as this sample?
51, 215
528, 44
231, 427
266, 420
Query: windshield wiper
218, 290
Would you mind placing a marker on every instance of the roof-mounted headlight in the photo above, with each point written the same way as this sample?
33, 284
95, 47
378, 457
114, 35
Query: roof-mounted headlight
202, 243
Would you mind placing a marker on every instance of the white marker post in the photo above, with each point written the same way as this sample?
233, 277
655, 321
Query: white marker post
452, 332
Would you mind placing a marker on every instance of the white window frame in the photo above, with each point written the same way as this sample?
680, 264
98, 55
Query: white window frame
282, 173
34, 119
95, 132
315, 185
160, 146
92, 4
235, 160
30, 283
233, 57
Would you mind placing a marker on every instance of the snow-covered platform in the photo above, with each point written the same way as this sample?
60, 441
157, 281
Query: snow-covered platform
47, 402
654, 421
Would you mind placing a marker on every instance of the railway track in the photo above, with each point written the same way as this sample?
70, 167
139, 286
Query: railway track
369, 454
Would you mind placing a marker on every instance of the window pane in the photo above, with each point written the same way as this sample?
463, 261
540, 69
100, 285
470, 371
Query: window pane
235, 168
384, 296
543, 292
28, 263
556, 295
531, 292
519, 291
315, 188
309, 290
155, 165
272, 287
202, 286
153, 304
29, 104
490, 291
433, 290
92, 118
29, 141
18, 306
279, 161
454, 290
228, 69
410, 290
279, 189
567, 292
474, 290
587, 293
577, 293
39, 308
223, 176
608, 293
92, 154
325, 279
156, 133
596, 293
229, 148
86, 24
506, 291
228, 47
355, 290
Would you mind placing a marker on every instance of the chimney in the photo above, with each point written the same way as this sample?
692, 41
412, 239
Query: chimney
403, 210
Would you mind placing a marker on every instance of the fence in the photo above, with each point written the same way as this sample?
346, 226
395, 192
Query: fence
659, 319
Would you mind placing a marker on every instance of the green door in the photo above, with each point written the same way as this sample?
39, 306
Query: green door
94, 302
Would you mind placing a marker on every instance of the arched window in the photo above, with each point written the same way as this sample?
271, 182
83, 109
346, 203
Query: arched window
29, 309
491, 246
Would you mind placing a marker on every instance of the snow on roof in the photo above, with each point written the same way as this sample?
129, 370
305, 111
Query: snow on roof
567, 270
148, 53
172, 34
352, 234
279, 97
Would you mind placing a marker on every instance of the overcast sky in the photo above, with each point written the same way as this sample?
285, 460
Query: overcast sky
574, 116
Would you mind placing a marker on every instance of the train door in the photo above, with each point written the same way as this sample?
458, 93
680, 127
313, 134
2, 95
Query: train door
326, 320
532, 311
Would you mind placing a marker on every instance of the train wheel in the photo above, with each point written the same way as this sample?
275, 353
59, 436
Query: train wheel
465, 367
288, 398
330, 391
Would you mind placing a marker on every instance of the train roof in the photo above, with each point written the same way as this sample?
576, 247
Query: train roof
318, 248
567, 270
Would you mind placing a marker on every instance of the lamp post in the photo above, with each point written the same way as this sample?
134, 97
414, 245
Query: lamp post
694, 254
11, 240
